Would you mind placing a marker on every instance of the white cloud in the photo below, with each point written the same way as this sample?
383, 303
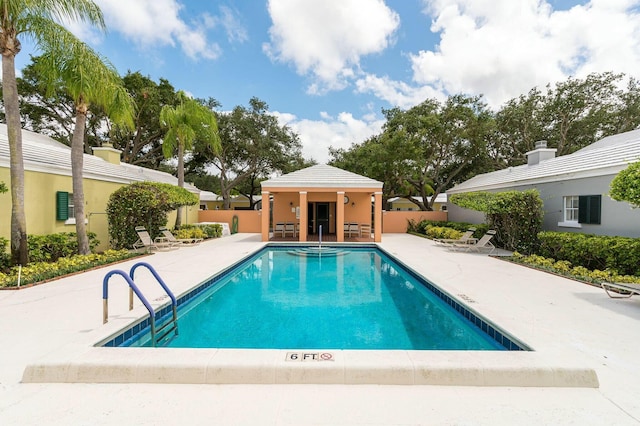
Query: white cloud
229, 19
503, 48
326, 39
397, 93
338, 132
158, 23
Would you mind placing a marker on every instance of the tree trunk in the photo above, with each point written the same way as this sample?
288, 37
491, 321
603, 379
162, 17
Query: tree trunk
77, 162
19, 248
180, 181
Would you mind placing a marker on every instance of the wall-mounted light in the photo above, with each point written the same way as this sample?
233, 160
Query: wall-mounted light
353, 204
290, 203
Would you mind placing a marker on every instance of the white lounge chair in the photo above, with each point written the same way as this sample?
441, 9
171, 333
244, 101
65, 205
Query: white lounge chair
483, 244
466, 238
145, 241
173, 241
622, 290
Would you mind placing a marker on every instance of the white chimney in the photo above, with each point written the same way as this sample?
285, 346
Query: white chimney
540, 153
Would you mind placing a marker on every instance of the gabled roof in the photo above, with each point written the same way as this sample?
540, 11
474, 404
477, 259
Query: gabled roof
440, 198
209, 196
43, 154
605, 157
322, 176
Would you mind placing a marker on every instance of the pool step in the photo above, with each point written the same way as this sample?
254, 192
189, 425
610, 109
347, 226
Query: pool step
319, 251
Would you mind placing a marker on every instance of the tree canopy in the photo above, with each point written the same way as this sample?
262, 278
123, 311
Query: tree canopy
39, 20
626, 185
253, 146
426, 149
421, 151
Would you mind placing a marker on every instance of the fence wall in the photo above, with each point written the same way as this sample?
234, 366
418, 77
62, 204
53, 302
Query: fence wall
248, 220
395, 222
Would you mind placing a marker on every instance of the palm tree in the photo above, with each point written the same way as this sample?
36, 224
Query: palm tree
186, 122
37, 20
91, 81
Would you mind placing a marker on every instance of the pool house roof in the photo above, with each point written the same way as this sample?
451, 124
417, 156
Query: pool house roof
322, 176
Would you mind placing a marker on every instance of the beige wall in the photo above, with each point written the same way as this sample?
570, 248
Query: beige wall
40, 205
248, 220
404, 204
395, 222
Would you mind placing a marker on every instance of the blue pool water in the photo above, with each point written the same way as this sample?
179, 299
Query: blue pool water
358, 299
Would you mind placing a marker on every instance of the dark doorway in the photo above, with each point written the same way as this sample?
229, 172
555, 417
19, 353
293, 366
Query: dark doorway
318, 215
322, 216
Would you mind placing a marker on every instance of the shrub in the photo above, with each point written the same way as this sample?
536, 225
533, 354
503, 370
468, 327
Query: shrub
515, 215
443, 232
595, 252
5, 257
425, 227
142, 204
626, 185
49, 248
563, 267
41, 271
213, 230
189, 232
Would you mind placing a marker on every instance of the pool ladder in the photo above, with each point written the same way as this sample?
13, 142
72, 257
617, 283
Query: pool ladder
159, 333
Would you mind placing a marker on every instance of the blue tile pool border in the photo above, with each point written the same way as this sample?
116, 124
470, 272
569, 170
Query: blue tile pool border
500, 336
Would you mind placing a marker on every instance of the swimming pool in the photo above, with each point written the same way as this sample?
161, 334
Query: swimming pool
289, 298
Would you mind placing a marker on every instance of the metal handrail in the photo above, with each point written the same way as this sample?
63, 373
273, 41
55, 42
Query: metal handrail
174, 302
134, 289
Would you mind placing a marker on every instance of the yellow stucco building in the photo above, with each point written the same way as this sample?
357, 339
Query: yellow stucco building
48, 187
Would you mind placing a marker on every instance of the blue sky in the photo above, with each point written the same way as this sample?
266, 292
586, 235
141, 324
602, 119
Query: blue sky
327, 68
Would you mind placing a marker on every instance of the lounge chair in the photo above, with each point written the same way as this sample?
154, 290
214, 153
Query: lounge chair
466, 238
145, 241
621, 290
173, 241
483, 244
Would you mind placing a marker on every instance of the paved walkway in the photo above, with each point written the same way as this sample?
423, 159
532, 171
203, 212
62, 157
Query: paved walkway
561, 319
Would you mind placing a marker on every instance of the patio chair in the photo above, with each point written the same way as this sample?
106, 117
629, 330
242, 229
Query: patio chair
466, 238
145, 241
278, 229
483, 244
621, 290
289, 228
351, 229
173, 241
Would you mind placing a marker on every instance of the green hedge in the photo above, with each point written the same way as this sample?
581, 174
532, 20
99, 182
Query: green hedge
515, 215
42, 271
212, 230
142, 204
596, 252
5, 257
51, 247
442, 229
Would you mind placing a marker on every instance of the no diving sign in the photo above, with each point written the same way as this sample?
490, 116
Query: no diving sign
309, 356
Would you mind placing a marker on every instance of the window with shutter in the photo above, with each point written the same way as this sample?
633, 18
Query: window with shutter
589, 210
62, 205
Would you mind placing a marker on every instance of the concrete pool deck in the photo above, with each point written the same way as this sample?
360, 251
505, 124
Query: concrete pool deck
568, 324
